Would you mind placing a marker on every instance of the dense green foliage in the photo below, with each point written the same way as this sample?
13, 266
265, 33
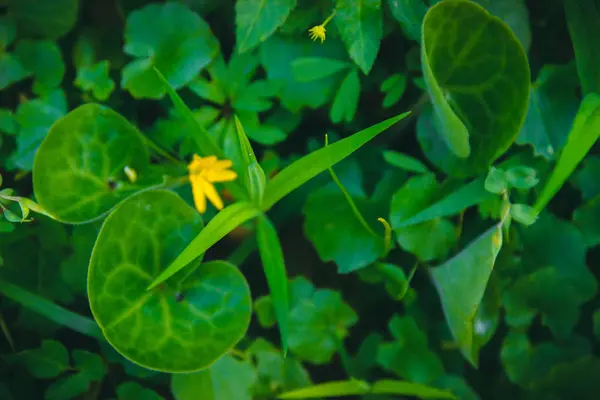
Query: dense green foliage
407, 206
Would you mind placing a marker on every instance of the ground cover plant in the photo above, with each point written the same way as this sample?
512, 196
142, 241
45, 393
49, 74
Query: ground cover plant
236, 200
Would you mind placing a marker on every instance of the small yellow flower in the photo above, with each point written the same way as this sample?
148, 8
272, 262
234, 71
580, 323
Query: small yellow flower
203, 172
318, 32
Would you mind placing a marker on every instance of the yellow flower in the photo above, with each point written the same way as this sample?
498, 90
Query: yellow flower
317, 32
203, 172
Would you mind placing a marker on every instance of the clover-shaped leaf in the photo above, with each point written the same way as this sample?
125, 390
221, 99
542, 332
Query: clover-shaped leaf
79, 169
182, 325
479, 97
170, 37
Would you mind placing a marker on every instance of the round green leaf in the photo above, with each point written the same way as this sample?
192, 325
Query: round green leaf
48, 18
171, 38
179, 326
78, 172
478, 79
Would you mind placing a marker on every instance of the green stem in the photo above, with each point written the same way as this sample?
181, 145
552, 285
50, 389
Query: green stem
349, 199
162, 152
324, 24
48, 309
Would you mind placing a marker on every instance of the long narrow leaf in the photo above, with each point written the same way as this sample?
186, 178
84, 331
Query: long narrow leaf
311, 165
403, 388
329, 389
466, 196
271, 256
224, 222
48, 309
583, 135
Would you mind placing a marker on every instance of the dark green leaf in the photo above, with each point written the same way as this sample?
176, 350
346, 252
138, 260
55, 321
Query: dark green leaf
155, 36
346, 100
49, 361
586, 178
403, 388
133, 390
308, 69
256, 20
44, 61
152, 327
461, 284
582, 137
521, 177
410, 14
514, 13
523, 213
271, 256
226, 379
404, 161
394, 87
480, 103
95, 78
495, 182
583, 21
360, 24
553, 104
587, 219
409, 356
78, 174
48, 18
430, 239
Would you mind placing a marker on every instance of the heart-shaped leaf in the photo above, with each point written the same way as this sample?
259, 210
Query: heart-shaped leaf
477, 76
176, 327
79, 169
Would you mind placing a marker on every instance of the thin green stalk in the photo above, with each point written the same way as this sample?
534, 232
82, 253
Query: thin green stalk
349, 199
162, 151
48, 309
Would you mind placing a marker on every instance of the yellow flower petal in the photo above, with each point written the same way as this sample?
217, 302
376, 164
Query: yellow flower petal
212, 194
219, 176
199, 196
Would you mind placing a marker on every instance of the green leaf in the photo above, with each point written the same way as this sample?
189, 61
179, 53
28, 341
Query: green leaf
394, 87
133, 390
410, 14
409, 356
35, 117
514, 13
223, 223
308, 69
278, 54
49, 361
152, 327
226, 379
404, 161
587, 219
461, 284
330, 389
90, 368
553, 104
8, 32
276, 372
311, 165
8, 122
522, 213
430, 239
496, 181
360, 24
480, 102
43, 59
273, 263
583, 135
596, 322
265, 312
48, 18
394, 278
521, 177
95, 78
462, 198
346, 100
78, 173
256, 20
583, 21
586, 178
155, 36
401, 388
319, 321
